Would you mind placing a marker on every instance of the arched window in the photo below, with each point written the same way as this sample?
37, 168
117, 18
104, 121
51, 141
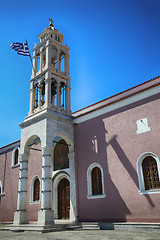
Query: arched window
36, 190
148, 167
15, 157
61, 160
150, 173
95, 182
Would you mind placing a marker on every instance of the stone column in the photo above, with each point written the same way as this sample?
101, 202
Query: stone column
41, 59
58, 60
48, 90
21, 215
48, 54
46, 215
58, 95
32, 98
39, 96
66, 66
35, 65
73, 205
67, 98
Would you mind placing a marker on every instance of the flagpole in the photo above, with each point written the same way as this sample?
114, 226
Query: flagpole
30, 56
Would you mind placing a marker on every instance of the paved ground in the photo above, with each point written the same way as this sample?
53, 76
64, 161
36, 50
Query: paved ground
79, 235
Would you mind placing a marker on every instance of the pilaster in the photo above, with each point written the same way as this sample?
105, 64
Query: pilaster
21, 215
48, 54
73, 209
58, 95
46, 215
47, 90
32, 98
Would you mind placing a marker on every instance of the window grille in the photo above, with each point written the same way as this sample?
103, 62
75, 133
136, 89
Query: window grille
150, 173
96, 181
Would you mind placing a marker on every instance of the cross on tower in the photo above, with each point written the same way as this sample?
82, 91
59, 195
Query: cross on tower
51, 22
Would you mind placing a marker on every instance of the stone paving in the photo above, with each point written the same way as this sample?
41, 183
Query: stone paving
79, 235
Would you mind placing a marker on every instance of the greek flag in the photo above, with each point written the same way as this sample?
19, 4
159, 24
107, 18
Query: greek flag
20, 48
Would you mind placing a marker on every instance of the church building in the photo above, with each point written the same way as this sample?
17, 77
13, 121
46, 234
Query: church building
98, 164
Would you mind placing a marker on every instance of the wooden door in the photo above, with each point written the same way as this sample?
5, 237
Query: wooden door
63, 199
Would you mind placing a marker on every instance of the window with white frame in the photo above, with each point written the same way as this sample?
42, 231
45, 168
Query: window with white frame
15, 157
95, 182
148, 167
35, 190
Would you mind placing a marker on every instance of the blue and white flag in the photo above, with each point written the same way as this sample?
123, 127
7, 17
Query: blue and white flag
21, 48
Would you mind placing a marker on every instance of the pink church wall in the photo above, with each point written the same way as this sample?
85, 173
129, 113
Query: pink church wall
34, 169
118, 148
8, 203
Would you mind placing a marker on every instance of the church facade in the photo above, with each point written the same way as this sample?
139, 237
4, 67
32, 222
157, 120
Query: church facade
100, 163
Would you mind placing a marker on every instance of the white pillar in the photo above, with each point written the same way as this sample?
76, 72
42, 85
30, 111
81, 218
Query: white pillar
41, 60
73, 203
58, 95
21, 215
58, 60
32, 98
67, 97
35, 64
48, 54
39, 96
66, 66
46, 215
48, 90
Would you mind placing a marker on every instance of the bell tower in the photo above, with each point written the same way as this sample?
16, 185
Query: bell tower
50, 80
49, 123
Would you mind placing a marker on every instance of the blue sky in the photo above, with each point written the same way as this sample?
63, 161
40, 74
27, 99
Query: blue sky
115, 45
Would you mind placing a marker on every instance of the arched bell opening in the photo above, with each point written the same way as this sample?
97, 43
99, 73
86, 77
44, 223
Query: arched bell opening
43, 58
62, 61
62, 94
54, 58
54, 92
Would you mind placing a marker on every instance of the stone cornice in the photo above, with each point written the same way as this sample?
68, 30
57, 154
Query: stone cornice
45, 114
